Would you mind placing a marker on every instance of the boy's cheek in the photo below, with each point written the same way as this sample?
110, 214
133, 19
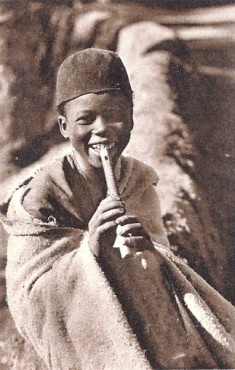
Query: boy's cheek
79, 139
124, 140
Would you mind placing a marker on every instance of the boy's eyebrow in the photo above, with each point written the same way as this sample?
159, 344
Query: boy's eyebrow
84, 111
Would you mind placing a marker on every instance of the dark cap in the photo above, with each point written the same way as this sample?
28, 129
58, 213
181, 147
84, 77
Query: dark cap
91, 71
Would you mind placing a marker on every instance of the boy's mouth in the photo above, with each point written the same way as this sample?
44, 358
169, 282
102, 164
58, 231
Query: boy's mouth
99, 146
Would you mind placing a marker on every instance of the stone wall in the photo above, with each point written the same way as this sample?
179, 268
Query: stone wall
163, 139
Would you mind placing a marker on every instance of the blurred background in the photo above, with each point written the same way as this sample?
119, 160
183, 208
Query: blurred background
180, 59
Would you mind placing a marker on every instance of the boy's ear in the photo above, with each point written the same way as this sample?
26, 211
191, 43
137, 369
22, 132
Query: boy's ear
63, 126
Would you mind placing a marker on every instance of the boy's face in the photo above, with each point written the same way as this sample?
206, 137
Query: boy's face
94, 119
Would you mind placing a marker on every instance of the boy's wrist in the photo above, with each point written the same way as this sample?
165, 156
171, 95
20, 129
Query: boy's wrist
94, 246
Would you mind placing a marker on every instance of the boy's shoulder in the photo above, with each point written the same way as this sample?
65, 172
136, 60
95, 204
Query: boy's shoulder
139, 169
48, 190
137, 176
53, 173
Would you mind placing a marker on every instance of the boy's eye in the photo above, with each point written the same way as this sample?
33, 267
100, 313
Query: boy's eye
84, 120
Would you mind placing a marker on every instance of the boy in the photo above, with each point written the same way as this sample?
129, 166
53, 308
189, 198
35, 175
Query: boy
94, 111
86, 307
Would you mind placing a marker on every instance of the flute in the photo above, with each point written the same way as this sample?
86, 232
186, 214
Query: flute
109, 173
112, 188
114, 192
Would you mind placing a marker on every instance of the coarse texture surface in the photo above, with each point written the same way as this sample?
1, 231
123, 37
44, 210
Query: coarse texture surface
71, 308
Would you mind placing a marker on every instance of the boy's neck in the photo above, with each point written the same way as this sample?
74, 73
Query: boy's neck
94, 175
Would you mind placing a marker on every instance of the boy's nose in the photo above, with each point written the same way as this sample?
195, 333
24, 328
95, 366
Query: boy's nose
100, 125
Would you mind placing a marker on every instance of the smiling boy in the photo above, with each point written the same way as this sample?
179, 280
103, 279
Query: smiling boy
94, 99
70, 293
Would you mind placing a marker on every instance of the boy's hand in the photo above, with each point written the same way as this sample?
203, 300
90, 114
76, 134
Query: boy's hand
133, 233
102, 225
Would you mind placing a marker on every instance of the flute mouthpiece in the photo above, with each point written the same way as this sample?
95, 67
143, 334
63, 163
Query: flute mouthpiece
109, 172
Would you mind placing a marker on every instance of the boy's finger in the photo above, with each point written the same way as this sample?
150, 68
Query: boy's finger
110, 215
106, 226
111, 199
127, 219
97, 217
111, 204
134, 229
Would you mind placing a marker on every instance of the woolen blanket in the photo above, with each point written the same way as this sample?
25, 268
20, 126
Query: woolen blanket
82, 313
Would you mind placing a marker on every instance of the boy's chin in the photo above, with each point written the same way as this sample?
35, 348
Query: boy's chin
96, 164
95, 159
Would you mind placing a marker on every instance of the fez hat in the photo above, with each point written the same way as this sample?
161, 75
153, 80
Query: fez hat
91, 71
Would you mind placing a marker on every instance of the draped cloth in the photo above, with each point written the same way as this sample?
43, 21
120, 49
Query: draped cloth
82, 313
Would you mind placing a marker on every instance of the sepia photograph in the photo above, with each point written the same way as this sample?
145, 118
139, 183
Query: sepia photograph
117, 184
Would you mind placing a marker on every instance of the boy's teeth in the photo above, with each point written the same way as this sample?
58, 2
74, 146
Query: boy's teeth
99, 146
